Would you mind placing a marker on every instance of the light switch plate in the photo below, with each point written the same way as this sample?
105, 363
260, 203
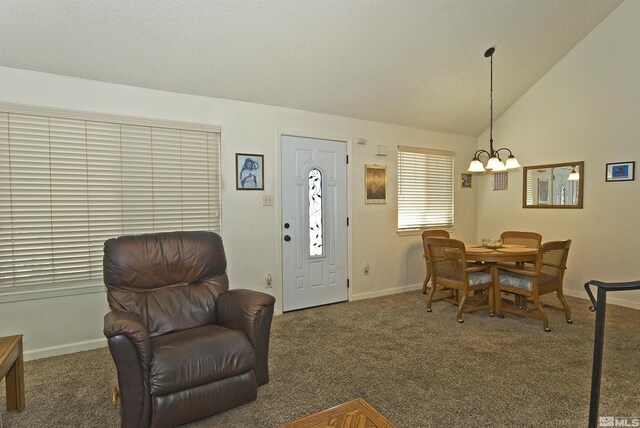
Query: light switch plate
267, 200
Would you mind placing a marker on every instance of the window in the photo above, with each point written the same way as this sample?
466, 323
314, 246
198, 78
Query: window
67, 184
425, 188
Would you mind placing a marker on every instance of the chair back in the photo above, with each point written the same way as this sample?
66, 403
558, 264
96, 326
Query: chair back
528, 239
447, 260
435, 233
171, 280
552, 260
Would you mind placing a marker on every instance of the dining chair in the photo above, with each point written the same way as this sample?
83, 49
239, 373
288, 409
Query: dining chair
436, 233
545, 277
448, 265
528, 239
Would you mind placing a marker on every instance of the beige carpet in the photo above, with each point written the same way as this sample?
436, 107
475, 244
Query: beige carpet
418, 369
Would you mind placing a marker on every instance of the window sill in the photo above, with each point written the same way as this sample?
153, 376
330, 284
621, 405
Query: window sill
49, 293
417, 232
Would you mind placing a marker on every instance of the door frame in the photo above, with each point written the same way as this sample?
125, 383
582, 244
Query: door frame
278, 289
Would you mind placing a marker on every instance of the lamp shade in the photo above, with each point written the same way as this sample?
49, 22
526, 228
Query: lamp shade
512, 162
574, 176
493, 162
499, 167
476, 166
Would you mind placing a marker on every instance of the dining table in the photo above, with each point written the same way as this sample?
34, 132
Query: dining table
493, 256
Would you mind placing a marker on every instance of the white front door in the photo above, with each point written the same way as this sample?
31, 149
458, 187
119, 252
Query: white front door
314, 222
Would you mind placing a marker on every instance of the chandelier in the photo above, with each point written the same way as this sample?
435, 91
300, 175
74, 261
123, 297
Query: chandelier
494, 163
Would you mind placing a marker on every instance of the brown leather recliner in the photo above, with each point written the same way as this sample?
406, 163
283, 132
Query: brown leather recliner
185, 346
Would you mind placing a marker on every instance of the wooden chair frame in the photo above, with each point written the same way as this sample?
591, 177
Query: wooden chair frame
435, 233
463, 287
537, 288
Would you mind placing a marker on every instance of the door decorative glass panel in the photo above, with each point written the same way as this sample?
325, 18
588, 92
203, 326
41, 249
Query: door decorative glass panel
315, 212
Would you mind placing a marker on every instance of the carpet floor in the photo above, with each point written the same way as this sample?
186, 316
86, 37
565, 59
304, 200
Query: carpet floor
418, 369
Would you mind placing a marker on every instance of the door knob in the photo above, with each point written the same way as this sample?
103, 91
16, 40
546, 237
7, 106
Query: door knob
287, 238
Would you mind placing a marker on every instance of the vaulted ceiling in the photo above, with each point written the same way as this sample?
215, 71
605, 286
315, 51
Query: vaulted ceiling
417, 63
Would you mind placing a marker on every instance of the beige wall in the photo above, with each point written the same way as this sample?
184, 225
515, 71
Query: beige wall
251, 232
585, 108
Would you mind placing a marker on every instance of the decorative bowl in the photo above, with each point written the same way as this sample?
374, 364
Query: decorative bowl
491, 243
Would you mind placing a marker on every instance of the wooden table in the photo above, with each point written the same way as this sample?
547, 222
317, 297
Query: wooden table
506, 254
352, 414
11, 369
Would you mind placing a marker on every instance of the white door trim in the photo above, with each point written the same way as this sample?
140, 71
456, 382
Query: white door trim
278, 291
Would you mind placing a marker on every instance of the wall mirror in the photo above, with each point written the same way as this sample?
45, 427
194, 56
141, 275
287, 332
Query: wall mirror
558, 185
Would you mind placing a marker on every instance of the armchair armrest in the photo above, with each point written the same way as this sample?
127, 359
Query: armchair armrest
476, 268
130, 325
251, 312
518, 271
131, 350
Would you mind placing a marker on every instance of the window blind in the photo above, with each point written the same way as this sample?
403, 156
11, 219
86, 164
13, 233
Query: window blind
67, 185
425, 188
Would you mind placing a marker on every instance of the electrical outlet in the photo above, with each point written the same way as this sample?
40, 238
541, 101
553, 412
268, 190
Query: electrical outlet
267, 200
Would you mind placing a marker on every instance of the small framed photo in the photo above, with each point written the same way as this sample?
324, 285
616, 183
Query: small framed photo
375, 184
249, 171
465, 180
621, 171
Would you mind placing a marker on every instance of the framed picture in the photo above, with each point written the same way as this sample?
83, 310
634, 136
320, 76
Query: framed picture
499, 181
465, 180
249, 171
621, 171
375, 184
543, 191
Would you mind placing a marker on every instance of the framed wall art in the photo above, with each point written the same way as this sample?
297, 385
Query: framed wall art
499, 181
621, 171
375, 184
466, 180
249, 171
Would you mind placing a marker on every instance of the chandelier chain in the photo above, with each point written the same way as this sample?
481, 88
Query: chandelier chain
491, 108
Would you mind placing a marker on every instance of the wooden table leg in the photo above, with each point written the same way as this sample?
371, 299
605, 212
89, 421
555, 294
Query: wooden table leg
15, 383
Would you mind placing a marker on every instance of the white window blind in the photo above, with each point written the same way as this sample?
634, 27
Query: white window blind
67, 185
425, 188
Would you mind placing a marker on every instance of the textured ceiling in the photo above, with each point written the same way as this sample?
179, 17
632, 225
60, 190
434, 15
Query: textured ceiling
418, 63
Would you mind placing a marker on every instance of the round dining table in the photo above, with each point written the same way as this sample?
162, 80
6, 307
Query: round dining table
504, 254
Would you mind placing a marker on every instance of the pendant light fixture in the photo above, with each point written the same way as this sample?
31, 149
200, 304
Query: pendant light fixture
494, 163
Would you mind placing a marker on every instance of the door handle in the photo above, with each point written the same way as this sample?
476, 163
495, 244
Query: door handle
287, 238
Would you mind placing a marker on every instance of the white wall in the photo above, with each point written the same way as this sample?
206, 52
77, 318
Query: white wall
587, 108
250, 231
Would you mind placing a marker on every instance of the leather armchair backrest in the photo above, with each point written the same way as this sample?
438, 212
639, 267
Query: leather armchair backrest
171, 280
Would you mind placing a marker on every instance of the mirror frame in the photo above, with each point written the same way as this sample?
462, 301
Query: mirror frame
554, 165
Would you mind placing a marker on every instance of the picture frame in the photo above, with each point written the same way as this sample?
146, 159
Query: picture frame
499, 181
249, 171
466, 180
543, 191
620, 171
375, 184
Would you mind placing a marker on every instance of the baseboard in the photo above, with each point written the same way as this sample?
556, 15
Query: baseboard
611, 298
386, 292
66, 348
